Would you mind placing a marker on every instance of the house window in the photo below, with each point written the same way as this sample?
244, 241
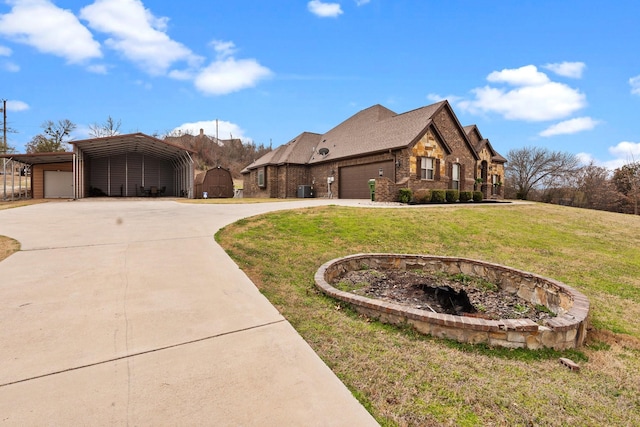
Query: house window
495, 188
261, 180
426, 168
455, 176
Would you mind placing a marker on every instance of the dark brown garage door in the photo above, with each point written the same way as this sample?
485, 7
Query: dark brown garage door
354, 180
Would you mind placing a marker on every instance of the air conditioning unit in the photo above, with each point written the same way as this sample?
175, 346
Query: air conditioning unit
305, 191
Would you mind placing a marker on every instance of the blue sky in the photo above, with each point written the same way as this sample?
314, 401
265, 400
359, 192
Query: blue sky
558, 74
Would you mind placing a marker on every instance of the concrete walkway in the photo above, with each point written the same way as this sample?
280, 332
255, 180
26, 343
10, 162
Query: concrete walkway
128, 313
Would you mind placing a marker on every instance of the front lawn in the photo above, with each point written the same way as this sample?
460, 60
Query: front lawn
405, 378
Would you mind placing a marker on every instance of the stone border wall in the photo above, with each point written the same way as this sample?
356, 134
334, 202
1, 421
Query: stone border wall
566, 330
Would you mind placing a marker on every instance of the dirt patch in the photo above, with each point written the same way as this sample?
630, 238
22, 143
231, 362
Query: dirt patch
459, 295
7, 247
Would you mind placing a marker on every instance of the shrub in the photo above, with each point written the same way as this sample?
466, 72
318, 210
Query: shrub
465, 196
477, 196
404, 195
422, 196
438, 196
452, 196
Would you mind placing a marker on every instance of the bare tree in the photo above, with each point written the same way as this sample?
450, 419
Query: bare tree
531, 168
110, 127
595, 189
627, 181
55, 137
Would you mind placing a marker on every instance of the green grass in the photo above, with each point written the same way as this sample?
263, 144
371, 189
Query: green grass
405, 378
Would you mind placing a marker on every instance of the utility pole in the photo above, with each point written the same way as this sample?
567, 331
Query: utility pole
4, 126
4, 149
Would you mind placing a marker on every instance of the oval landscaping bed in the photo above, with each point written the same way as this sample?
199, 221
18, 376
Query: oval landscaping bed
462, 299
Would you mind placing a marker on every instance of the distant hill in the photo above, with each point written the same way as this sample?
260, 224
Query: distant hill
232, 154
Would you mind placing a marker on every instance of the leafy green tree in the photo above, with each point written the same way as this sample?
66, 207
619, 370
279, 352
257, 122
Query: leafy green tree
53, 139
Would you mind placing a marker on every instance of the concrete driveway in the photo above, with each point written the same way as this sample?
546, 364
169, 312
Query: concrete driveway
128, 313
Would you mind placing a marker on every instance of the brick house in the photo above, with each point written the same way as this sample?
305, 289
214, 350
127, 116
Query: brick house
426, 148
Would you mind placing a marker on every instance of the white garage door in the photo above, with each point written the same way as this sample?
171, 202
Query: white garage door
58, 185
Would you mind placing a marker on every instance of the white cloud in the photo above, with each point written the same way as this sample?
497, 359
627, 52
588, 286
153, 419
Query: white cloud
627, 150
223, 49
534, 98
635, 85
567, 69
523, 76
137, 34
571, 126
229, 75
434, 97
586, 158
134, 32
324, 10
17, 106
362, 2
623, 153
49, 29
225, 129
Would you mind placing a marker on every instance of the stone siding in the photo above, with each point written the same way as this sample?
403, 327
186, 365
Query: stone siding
566, 330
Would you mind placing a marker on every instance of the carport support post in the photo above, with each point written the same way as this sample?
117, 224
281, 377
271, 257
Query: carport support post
4, 178
13, 178
75, 176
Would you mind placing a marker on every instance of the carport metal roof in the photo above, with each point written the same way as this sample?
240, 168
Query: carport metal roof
130, 143
107, 146
40, 158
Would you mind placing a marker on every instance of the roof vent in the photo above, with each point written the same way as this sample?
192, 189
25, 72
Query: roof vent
324, 151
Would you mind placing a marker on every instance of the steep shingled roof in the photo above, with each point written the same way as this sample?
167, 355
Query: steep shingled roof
495, 156
297, 151
373, 130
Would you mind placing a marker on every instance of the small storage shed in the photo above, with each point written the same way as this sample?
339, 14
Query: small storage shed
216, 182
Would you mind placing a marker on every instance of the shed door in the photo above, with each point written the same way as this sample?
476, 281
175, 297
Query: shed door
58, 185
218, 183
354, 180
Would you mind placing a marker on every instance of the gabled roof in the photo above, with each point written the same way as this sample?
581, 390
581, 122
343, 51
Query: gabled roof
483, 142
297, 151
495, 156
199, 179
471, 129
373, 130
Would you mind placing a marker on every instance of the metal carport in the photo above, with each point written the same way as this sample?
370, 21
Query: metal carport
23, 174
129, 165
121, 165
